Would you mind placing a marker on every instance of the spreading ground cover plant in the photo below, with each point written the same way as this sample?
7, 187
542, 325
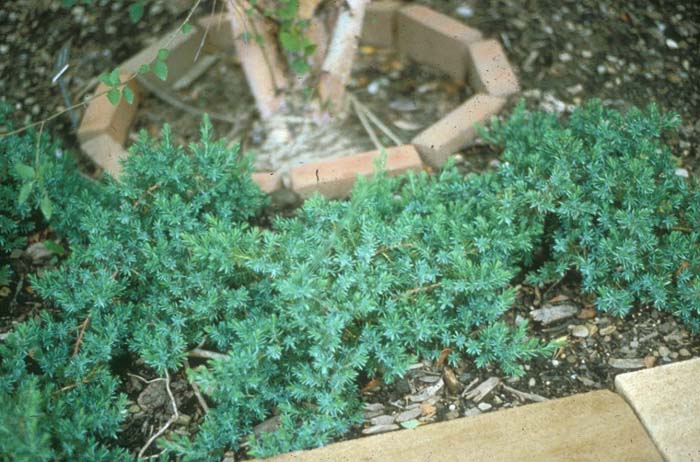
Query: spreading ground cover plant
34, 175
303, 313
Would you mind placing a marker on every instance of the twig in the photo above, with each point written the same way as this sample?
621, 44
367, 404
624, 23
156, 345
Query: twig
368, 128
75, 384
206, 354
146, 381
83, 326
524, 395
145, 193
372, 117
167, 97
170, 421
422, 289
197, 393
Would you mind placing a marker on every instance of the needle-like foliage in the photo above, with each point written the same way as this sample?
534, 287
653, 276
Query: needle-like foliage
168, 259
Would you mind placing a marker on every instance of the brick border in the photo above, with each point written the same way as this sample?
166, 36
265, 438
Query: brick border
418, 32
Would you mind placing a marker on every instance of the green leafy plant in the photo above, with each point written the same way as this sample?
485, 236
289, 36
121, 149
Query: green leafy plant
612, 208
35, 176
297, 316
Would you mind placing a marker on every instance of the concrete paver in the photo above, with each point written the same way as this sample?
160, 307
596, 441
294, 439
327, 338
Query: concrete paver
591, 427
667, 401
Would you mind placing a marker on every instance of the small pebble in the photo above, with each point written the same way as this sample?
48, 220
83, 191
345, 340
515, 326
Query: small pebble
579, 331
483, 407
532, 382
683, 352
464, 11
664, 351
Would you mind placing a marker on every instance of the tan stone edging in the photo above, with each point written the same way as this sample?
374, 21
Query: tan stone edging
653, 417
420, 33
594, 426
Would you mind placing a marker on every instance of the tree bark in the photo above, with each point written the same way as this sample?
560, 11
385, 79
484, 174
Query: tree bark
261, 62
337, 65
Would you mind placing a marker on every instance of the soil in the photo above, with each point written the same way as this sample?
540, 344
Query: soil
405, 96
625, 53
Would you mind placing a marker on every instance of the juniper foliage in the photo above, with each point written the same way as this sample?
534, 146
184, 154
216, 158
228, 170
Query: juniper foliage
169, 259
34, 175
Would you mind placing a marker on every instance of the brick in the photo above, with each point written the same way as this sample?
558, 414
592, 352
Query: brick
183, 50
489, 70
667, 401
592, 427
435, 39
269, 182
334, 178
379, 27
106, 153
454, 131
101, 116
218, 31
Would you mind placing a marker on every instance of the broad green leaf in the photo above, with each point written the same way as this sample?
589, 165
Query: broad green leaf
24, 192
104, 78
136, 11
160, 69
114, 78
291, 41
54, 247
144, 69
186, 28
25, 171
114, 95
288, 10
300, 66
46, 207
128, 94
163, 54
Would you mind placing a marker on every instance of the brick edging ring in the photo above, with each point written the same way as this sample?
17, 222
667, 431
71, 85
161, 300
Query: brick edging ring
416, 31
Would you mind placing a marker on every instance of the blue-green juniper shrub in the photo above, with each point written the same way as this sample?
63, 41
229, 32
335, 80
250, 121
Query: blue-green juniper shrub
169, 258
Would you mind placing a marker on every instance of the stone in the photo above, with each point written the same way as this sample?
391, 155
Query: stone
622, 363
454, 131
595, 426
382, 420
269, 182
434, 39
579, 331
183, 49
489, 70
379, 26
667, 400
334, 178
483, 407
549, 314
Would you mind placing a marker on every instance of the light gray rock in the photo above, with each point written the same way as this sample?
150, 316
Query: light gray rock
553, 313
619, 363
382, 420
